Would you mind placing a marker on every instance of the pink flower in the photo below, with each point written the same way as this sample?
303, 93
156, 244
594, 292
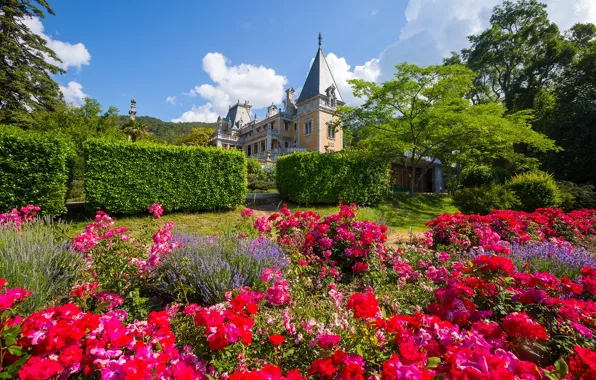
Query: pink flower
278, 294
155, 210
246, 213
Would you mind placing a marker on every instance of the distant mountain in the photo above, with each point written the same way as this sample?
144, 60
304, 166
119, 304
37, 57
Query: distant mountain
166, 130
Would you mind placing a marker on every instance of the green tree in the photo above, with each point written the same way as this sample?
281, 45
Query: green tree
196, 137
569, 111
25, 82
135, 130
422, 115
518, 56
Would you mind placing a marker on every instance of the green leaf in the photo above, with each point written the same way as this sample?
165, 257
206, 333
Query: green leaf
561, 367
433, 362
15, 350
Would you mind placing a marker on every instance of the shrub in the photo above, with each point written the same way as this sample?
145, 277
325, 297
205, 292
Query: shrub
484, 199
33, 170
535, 190
576, 197
126, 178
33, 257
205, 268
311, 177
254, 167
475, 176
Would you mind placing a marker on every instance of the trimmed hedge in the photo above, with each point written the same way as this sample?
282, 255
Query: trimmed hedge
33, 170
311, 177
535, 190
126, 178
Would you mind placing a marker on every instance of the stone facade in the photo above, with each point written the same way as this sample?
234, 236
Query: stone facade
305, 124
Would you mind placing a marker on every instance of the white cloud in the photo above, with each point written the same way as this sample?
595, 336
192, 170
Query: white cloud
72, 55
259, 85
374, 12
171, 100
73, 93
340, 69
436, 27
202, 113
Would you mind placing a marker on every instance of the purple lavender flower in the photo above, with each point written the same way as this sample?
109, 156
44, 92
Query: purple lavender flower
207, 267
548, 257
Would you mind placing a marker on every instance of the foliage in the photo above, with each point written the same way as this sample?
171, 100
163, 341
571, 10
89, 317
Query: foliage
33, 170
576, 197
205, 268
311, 177
25, 72
168, 131
569, 112
422, 115
483, 199
535, 190
254, 167
127, 178
517, 56
196, 137
476, 175
135, 130
34, 257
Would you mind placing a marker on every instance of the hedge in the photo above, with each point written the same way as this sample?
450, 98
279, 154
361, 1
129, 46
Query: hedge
311, 177
125, 178
33, 170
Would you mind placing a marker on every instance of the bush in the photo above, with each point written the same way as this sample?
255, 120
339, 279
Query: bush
126, 178
257, 183
311, 177
34, 258
33, 170
576, 197
483, 199
535, 190
475, 176
205, 268
254, 167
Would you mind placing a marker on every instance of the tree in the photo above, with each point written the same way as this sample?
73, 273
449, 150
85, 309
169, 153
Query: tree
135, 130
196, 137
569, 111
517, 56
422, 115
25, 82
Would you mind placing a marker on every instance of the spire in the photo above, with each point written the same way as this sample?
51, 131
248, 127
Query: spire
319, 78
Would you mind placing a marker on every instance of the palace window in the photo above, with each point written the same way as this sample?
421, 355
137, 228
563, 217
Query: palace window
295, 127
286, 126
330, 132
308, 128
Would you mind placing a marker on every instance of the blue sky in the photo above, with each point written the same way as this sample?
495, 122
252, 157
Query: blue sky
186, 60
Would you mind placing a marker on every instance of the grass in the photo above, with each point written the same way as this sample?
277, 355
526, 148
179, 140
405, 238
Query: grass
398, 211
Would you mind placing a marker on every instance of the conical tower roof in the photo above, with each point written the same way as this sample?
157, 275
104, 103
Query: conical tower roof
319, 78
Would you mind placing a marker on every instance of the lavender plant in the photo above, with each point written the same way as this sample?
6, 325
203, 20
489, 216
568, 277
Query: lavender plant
35, 258
205, 268
549, 257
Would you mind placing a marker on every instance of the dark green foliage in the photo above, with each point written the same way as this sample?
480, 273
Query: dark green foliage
126, 178
167, 130
33, 170
476, 175
310, 177
25, 81
576, 197
535, 190
483, 199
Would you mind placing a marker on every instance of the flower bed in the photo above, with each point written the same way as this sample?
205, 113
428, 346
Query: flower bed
346, 307
465, 231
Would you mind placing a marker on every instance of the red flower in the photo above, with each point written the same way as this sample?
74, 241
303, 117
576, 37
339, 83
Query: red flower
276, 339
327, 341
360, 267
520, 325
365, 305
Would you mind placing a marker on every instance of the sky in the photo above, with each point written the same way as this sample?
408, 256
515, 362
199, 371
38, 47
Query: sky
189, 60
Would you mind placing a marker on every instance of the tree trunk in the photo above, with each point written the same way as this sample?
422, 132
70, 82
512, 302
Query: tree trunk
413, 181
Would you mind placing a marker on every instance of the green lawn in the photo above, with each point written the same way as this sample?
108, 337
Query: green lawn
398, 211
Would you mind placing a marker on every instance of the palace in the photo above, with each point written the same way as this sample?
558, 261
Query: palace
305, 124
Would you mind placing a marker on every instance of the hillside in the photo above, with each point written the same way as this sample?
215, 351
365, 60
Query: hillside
166, 130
